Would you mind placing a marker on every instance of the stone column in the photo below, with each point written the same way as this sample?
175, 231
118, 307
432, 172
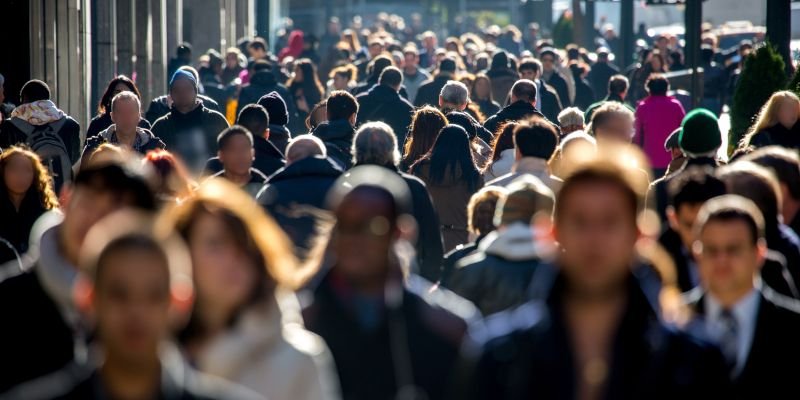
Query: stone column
125, 37
104, 47
159, 47
143, 50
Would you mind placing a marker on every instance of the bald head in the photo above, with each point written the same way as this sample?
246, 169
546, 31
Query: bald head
304, 146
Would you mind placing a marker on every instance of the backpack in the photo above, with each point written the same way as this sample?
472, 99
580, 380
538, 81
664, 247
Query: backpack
48, 145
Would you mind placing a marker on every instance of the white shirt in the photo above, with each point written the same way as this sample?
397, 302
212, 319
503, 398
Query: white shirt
745, 312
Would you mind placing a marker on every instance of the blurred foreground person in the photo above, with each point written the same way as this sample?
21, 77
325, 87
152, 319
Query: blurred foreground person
135, 284
391, 337
596, 334
57, 333
755, 327
246, 324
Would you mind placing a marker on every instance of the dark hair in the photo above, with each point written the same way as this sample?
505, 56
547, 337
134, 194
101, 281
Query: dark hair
124, 180
524, 90
391, 76
479, 77
136, 243
657, 85
255, 118
261, 65
258, 44
783, 162
225, 136
105, 101
706, 53
378, 64
425, 126
730, 208
184, 49
463, 120
599, 173
530, 63
312, 121
341, 105
618, 84
452, 153
503, 139
312, 88
694, 185
756, 183
34, 90
536, 139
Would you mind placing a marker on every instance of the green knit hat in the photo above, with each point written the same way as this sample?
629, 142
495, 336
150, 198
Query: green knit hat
700, 132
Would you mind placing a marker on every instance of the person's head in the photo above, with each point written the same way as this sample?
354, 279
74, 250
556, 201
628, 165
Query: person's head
783, 108
391, 77
235, 150
481, 210
255, 119
342, 76
618, 86
375, 47
687, 192
98, 190
371, 205
341, 105
602, 54
656, 62
375, 143
730, 247
526, 200
657, 85
523, 90
451, 158
126, 111
537, 139
23, 174
317, 115
571, 120
503, 140
232, 57
707, 54
117, 85
530, 69
276, 108
257, 49
334, 26
425, 126
304, 146
410, 57
700, 135
596, 227
184, 52
239, 254
447, 66
756, 183
549, 59
173, 182
482, 87
183, 89
612, 122
454, 96
785, 164
34, 90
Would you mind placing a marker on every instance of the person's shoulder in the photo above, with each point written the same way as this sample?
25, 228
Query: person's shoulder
214, 114
440, 303
509, 328
788, 307
201, 386
62, 384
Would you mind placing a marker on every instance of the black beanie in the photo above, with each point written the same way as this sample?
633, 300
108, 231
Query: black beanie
276, 108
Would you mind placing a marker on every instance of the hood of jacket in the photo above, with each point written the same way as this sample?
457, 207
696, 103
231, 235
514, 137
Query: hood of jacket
38, 113
513, 243
145, 135
307, 167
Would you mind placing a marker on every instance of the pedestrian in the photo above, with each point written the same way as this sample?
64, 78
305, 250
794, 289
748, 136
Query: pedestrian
103, 119
5, 108
233, 66
305, 90
547, 99
278, 116
501, 76
425, 126
342, 78
612, 123
571, 120
657, 116
428, 92
786, 166
601, 72
715, 81
584, 95
454, 98
236, 154
338, 131
522, 106
617, 91
173, 183
183, 57
503, 153
262, 82
535, 144
672, 147
384, 103
162, 105
553, 77
481, 94
413, 75
295, 46
777, 123
451, 176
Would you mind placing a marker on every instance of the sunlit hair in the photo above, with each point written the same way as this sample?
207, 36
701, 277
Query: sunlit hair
425, 126
606, 112
479, 223
105, 100
503, 140
41, 188
768, 116
173, 179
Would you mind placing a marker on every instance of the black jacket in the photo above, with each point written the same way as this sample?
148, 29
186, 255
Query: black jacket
513, 112
261, 83
599, 76
16, 224
559, 83
192, 136
502, 79
295, 194
428, 93
279, 135
101, 122
770, 371
268, 158
338, 138
253, 186
584, 95
382, 103
159, 107
527, 354
551, 103
778, 135
658, 188
488, 107
417, 340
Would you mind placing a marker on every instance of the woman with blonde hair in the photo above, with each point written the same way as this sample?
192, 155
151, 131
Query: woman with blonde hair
246, 324
777, 123
425, 126
26, 192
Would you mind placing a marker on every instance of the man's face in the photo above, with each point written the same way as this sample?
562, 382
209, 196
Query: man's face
363, 237
231, 60
727, 258
411, 60
597, 232
375, 49
256, 53
131, 302
528, 73
548, 62
429, 42
682, 221
85, 207
182, 93
237, 157
125, 115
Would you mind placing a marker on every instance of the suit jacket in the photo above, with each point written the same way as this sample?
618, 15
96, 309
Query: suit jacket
771, 369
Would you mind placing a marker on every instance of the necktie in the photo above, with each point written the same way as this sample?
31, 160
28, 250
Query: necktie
728, 340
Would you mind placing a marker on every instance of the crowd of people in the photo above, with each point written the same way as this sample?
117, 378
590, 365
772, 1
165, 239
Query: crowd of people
492, 218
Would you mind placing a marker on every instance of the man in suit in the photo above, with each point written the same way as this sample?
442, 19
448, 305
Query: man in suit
755, 328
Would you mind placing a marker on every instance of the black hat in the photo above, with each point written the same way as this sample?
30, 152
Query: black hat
276, 108
447, 65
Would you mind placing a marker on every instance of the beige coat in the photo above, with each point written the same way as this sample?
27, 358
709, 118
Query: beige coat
270, 351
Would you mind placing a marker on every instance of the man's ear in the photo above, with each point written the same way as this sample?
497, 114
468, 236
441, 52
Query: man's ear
672, 218
252, 154
83, 295
266, 134
352, 119
219, 155
761, 248
65, 196
111, 113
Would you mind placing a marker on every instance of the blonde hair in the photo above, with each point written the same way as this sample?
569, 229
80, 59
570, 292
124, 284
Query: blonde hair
42, 185
768, 115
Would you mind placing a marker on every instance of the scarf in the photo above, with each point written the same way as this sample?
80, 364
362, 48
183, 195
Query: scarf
38, 112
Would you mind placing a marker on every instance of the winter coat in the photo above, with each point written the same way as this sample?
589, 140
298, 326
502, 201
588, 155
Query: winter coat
16, 225
599, 76
428, 93
382, 103
193, 135
295, 196
516, 111
559, 83
145, 141
501, 166
279, 135
413, 82
252, 187
589, 113
488, 107
551, 103
656, 118
778, 135
102, 121
268, 158
502, 80
261, 83
533, 166
338, 138
269, 351
161, 106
